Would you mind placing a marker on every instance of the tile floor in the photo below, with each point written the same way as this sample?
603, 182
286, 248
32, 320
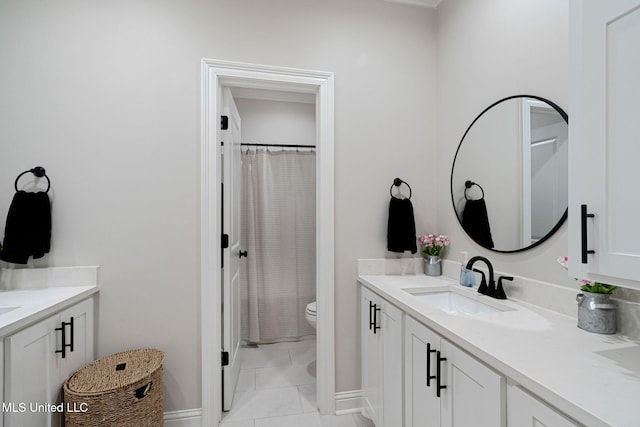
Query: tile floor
277, 388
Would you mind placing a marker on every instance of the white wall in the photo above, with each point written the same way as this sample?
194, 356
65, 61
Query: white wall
277, 122
488, 50
106, 96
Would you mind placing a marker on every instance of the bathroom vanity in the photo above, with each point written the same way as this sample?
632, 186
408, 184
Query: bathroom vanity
47, 319
444, 355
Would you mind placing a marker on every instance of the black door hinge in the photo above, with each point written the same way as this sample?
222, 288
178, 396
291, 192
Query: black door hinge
225, 358
225, 241
224, 122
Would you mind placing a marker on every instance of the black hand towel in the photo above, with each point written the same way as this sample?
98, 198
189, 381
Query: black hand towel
475, 222
28, 228
401, 229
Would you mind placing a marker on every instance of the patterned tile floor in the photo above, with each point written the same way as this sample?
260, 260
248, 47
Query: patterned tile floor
277, 388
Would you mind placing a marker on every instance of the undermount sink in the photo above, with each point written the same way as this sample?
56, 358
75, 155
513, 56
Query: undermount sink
5, 310
453, 302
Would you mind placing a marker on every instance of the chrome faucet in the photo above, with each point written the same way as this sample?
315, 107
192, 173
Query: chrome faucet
489, 289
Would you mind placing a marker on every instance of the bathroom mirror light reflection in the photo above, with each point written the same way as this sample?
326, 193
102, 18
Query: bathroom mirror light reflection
516, 155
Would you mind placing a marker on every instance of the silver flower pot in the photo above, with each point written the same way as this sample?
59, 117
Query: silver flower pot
432, 265
596, 313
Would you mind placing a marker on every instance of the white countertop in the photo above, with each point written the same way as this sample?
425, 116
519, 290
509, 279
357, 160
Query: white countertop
39, 293
593, 378
36, 304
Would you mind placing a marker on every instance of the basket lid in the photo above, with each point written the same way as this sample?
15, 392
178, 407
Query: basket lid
115, 371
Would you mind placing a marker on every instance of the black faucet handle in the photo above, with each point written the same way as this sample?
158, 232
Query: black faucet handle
482, 289
500, 294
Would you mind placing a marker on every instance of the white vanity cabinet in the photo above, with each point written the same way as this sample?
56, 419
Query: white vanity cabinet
523, 409
381, 335
39, 358
604, 131
445, 386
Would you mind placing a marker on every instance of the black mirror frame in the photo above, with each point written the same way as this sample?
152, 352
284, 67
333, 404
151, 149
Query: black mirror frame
453, 203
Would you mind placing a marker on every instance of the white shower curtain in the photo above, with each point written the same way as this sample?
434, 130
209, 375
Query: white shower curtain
278, 232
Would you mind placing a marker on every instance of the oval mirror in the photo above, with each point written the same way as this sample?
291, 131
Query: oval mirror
509, 174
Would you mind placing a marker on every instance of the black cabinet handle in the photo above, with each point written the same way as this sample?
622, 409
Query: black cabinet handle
370, 315
72, 334
242, 254
583, 231
429, 376
375, 317
63, 332
439, 385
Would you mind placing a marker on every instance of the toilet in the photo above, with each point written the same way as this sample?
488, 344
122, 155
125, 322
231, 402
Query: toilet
310, 314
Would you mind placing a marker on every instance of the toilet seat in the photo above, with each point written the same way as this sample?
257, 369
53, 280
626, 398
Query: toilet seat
311, 308
310, 313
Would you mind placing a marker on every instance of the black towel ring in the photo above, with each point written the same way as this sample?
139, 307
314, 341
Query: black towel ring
397, 183
39, 172
468, 184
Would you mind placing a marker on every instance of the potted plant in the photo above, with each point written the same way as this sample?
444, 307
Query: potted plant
596, 311
432, 248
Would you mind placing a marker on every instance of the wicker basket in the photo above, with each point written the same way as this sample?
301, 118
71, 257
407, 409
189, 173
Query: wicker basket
121, 390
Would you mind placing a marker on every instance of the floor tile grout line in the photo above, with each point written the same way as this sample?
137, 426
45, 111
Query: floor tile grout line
297, 386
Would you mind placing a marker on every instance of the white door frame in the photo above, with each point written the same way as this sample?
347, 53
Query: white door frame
216, 74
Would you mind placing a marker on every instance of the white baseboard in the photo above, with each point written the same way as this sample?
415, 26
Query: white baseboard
348, 402
186, 418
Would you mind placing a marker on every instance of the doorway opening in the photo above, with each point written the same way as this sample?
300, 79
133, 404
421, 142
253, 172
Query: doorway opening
218, 76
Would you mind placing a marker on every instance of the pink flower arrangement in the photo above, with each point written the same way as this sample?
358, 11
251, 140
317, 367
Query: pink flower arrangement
433, 244
588, 285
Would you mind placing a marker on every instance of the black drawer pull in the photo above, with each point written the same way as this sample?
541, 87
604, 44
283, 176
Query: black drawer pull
72, 334
429, 376
375, 318
63, 331
583, 231
439, 385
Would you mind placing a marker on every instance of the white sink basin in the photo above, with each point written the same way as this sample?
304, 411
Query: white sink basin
4, 310
456, 303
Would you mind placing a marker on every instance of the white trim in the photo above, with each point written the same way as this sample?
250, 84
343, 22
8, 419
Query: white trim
185, 418
348, 402
270, 95
525, 180
216, 74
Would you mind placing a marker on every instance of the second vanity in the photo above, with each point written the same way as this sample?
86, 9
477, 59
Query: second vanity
437, 354
47, 324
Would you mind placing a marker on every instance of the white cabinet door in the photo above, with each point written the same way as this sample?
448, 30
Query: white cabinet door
604, 131
391, 328
444, 386
525, 410
422, 406
381, 360
31, 375
35, 366
474, 394
371, 350
80, 350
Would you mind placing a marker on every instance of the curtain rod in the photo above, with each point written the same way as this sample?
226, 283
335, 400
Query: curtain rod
278, 145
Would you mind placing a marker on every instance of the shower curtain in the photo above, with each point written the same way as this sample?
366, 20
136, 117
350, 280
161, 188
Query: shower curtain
278, 232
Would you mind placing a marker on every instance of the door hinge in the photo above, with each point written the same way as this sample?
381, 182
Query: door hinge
225, 358
224, 122
225, 241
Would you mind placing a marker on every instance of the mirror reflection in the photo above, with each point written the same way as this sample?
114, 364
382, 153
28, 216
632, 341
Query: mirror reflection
509, 175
